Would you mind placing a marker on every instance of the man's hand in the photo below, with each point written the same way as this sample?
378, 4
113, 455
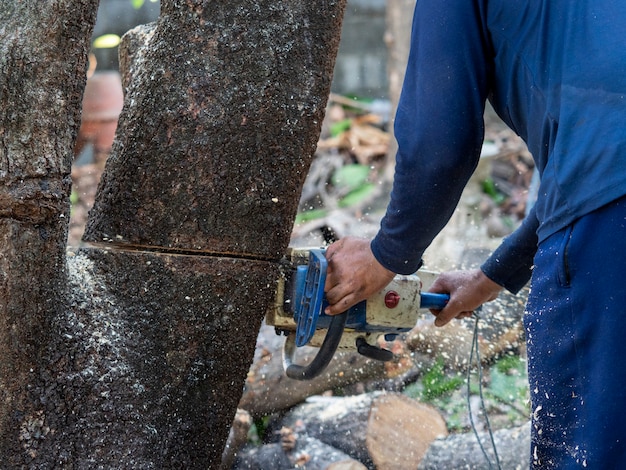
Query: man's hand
468, 290
353, 274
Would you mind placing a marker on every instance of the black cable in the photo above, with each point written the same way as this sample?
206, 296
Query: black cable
480, 393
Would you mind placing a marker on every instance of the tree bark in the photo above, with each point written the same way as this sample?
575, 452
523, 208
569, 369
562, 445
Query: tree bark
43, 58
223, 110
140, 361
301, 452
463, 451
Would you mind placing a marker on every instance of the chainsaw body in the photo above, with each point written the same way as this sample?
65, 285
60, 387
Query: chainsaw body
298, 311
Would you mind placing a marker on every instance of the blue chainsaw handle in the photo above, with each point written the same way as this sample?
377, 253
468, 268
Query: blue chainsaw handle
433, 300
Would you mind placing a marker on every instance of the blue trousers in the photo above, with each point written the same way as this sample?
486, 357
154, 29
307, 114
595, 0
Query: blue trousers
575, 327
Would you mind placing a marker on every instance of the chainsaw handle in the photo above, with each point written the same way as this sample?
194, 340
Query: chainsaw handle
324, 355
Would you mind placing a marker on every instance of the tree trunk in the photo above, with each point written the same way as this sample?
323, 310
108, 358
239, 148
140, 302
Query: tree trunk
140, 361
222, 115
398, 40
43, 58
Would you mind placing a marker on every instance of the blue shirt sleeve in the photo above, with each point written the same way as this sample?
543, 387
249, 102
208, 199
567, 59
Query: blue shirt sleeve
510, 265
439, 128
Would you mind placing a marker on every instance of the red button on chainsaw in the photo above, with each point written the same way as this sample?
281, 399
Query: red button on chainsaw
392, 299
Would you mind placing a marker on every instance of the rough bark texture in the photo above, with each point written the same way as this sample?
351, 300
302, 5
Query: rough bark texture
223, 110
463, 451
43, 56
140, 361
152, 349
296, 451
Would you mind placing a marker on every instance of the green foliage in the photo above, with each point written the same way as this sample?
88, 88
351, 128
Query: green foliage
508, 382
73, 201
258, 430
340, 126
310, 215
437, 383
357, 195
350, 184
137, 4
352, 180
491, 189
505, 393
106, 41
350, 176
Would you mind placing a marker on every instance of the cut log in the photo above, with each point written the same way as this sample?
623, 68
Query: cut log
268, 389
463, 451
296, 451
237, 437
400, 430
380, 430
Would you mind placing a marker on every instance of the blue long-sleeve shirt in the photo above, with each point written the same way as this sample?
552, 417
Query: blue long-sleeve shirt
554, 71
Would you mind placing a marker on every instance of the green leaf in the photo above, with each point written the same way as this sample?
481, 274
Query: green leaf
351, 176
490, 188
357, 195
137, 4
437, 382
106, 41
508, 379
310, 215
339, 127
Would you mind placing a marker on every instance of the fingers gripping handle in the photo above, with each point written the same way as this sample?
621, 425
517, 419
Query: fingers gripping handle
309, 297
434, 301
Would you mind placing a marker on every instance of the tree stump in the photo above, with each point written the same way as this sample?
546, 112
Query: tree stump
379, 430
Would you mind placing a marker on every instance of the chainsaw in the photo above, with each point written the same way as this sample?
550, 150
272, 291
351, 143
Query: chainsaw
298, 313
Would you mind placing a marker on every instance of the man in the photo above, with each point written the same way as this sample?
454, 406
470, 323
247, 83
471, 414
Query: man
555, 72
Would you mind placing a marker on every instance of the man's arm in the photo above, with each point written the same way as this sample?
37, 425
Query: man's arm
509, 267
439, 129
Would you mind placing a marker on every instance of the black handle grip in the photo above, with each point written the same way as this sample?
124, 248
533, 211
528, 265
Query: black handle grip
323, 357
373, 352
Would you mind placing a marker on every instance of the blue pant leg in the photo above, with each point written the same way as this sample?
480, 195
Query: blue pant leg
576, 337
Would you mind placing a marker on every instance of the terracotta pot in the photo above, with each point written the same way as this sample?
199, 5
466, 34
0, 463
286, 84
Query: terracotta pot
102, 103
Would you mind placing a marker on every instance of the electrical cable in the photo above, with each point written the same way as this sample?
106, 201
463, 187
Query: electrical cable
480, 393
